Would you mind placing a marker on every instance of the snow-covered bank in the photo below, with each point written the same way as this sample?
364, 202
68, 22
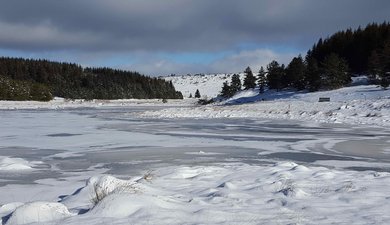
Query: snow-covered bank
365, 104
281, 193
60, 103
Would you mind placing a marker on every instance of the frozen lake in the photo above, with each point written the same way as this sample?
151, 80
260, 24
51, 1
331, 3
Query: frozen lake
116, 139
113, 139
66, 147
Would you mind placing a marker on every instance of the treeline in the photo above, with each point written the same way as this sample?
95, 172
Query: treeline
23, 90
329, 64
355, 46
72, 81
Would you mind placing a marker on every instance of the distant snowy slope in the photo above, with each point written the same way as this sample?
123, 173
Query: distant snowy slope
209, 85
357, 104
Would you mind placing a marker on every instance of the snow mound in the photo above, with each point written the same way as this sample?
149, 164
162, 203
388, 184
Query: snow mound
7, 209
227, 193
12, 164
38, 212
96, 189
108, 184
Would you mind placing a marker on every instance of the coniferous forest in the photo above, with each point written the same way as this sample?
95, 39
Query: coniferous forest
28, 79
330, 63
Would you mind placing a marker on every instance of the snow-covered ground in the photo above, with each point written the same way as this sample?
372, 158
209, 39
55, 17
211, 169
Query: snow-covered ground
358, 104
282, 193
237, 161
106, 166
209, 85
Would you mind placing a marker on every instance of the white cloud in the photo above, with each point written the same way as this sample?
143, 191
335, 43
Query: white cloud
253, 58
149, 64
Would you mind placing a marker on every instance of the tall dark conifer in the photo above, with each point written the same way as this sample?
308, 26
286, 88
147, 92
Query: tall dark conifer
295, 73
275, 75
262, 80
334, 72
235, 84
226, 91
313, 77
197, 93
249, 80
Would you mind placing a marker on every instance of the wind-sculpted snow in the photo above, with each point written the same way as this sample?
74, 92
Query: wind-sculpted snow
280, 193
38, 212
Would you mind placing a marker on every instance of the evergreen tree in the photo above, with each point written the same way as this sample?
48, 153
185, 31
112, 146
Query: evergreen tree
375, 67
385, 58
385, 81
295, 73
190, 95
235, 84
275, 75
379, 65
226, 91
262, 80
249, 80
197, 93
313, 78
334, 72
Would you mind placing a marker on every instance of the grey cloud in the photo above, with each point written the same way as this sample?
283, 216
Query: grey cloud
176, 25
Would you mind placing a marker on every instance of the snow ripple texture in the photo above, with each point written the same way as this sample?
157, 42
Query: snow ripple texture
282, 193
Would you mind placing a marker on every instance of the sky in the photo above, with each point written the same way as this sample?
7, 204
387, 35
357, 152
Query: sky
162, 37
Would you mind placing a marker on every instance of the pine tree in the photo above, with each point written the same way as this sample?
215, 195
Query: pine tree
249, 80
385, 61
226, 91
262, 80
312, 76
275, 75
235, 84
197, 93
375, 66
190, 95
295, 73
379, 65
385, 81
334, 72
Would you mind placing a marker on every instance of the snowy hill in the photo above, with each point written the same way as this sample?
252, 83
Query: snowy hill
209, 85
358, 104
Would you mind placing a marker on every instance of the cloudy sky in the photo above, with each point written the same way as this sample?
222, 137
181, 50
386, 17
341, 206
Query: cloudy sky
158, 37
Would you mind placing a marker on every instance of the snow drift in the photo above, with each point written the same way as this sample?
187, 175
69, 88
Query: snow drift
233, 193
